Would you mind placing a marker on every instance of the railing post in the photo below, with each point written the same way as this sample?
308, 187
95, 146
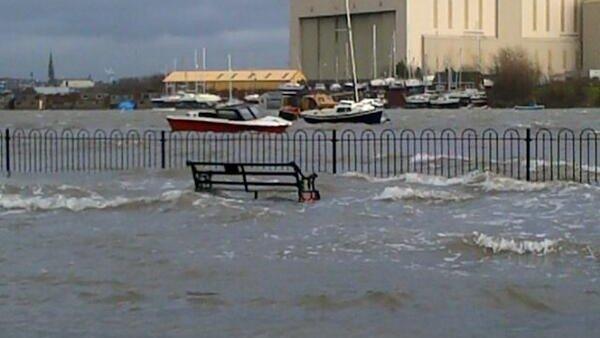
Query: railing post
7, 152
163, 141
528, 154
334, 150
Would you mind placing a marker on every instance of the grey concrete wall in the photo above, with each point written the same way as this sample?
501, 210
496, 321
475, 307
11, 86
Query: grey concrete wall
591, 36
318, 36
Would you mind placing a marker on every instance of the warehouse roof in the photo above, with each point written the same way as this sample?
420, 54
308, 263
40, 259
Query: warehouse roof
273, 75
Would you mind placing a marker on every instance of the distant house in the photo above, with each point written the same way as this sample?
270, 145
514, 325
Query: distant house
77, 83
48, 91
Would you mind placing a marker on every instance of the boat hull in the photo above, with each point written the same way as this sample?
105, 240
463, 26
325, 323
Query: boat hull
221, 127
416, 105
530, 108
289, 115
372, 117
451, 105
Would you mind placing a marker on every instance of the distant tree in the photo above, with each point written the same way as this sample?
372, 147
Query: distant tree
569, 93
134, 85
515, 78
401, 70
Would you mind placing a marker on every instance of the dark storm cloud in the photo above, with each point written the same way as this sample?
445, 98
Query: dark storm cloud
139, 36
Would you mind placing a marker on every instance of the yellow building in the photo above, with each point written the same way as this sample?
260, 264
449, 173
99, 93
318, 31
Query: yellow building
249, 81
433, 34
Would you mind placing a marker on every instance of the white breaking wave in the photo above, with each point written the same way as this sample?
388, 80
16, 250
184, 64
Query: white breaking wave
417, 179
492, 183
406, 193
522, 247
372, 179
60, 201
539, 165
431, 158
488, 182
440, 181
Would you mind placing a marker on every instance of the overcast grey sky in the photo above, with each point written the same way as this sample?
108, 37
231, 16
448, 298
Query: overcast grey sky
136, 37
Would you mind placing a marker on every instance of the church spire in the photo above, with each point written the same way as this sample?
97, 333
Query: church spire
51, 75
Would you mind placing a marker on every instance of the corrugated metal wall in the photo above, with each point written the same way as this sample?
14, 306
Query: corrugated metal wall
324, 46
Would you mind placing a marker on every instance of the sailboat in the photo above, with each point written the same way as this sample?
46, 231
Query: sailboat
366, 111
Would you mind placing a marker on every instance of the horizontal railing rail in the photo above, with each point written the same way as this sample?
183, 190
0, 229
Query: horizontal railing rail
534, 155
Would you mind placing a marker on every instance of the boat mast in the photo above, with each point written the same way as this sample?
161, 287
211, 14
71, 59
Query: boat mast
230, 79
196, 67
374, 52
351, 39
460, 74
392, 72
204, 69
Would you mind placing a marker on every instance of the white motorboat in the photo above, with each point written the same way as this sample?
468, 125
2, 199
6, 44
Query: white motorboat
186, 101
228, 119
418, 101
445, 101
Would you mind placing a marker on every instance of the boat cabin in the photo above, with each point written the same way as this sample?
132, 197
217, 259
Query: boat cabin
317, 101
231, 113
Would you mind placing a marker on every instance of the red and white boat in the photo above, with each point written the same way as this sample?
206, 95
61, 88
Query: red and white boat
228, 119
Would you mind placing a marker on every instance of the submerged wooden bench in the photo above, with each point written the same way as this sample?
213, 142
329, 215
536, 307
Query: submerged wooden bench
253, 177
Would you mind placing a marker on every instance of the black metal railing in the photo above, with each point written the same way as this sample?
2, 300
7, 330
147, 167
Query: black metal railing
533, 155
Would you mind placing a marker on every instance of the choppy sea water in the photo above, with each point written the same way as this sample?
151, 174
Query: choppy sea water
139, 254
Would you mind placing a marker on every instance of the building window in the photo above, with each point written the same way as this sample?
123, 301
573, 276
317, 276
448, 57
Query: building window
562, 16
450, 14
547, 15
535, 15
576, 16
480, 21
466, 14
435, 13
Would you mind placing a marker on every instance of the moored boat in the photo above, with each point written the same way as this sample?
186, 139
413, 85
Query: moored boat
186, 101
530, 107
252, 99
444, 101
417, 101
291, 109
346, 112
228, 119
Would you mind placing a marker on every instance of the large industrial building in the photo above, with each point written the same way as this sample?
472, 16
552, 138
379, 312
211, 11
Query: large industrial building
433, 35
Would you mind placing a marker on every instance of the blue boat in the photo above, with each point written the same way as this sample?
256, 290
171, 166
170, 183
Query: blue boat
127, 105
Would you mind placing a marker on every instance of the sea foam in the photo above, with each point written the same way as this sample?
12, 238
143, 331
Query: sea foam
499, 245
485, 181
76, 204
406, 193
